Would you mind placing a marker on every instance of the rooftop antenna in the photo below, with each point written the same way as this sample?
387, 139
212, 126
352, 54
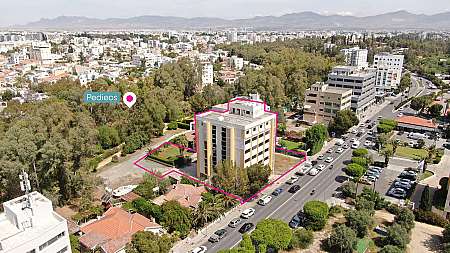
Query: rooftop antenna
25, 186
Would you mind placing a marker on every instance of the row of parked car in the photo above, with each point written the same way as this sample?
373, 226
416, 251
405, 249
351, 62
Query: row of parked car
372, 174
403, 184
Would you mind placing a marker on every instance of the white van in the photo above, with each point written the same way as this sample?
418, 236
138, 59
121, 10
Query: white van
417, 136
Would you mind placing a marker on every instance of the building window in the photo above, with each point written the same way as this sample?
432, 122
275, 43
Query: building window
62, 250
51, 241
246, 151
247, 141
247, 132
31, 251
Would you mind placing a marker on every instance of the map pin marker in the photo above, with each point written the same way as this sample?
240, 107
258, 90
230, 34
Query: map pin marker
129, 99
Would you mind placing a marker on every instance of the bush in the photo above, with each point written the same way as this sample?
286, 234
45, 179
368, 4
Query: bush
360, 152
359, 221
386, 125
302, 239
184, 125
393, 209
397, 236
361, 161
355, 170
430, 218
115, 159
342, 239
172, 126
391, 249
405, 218
349, 189
316, 213
335, 210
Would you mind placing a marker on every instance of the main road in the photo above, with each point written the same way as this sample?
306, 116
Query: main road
286, 205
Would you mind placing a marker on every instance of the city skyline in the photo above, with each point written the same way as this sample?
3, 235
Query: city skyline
34, 11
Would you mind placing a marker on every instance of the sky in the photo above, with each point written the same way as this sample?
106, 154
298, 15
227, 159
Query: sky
24, 11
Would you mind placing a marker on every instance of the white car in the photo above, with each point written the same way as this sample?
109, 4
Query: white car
320, 167
320, 157
329, 159
201, 249
292, 180
362, 131
412, 144
352, 140
367, 143
264, 200
354, 131
330, 150
400, 115
313, 172
247, 213
339, 150
355, 144
362, 125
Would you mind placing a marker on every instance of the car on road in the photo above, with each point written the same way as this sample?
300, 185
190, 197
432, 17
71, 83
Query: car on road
330, 150
201, 249
247, 213
292, 180
397, 193
304, 169
339, 150
294, 188
295, 222
277, 191
320, 157
320, 167
234, 222
264, 200
246, 228
219, 234
313, 172
329, 159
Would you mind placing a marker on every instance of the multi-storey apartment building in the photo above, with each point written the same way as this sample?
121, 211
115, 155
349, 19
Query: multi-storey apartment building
207, 73
356, 57
41, 52
322, 102
361, 81
29, 225
243, 133
389, 71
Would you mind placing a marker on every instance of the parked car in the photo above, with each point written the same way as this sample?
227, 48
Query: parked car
247, 213
234, 222
339, 150
313, 172
329, 159
277, 191
294, 188
292, 180
345, 146
371, 178
397, 193
353, 140
355, 144
264, 200
354, 131
201, 249
246, 228
368, 143
304, 169
370, 132
330, 150
403, 185
373, 173
219, 234
295, 222
320, 157
408, 175
320, 167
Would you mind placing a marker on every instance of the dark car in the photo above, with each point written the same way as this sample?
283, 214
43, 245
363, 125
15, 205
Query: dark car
314, 162
246, 227
295, 222
277, 191
368, 121
294, 188
219, 234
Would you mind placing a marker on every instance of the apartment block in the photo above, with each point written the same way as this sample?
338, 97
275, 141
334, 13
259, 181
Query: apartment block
322, 102
389, 71
243, 133
29, 225
356, 57
361, 81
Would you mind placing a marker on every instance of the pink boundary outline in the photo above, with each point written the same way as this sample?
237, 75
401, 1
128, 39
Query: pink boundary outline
240, 199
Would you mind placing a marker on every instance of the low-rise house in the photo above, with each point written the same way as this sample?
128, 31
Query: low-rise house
187, 195
114, 230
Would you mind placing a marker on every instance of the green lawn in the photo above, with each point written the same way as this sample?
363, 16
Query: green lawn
166, 154
291, 145
362, 245
411, 153
426, 174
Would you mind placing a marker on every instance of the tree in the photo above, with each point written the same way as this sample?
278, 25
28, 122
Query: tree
364, 204
349, 189
7, 95
387, 153
316, 214
426, 202
342, 122
273, 233
360, 152
74, 243
435, 110
181, 142
360, 221
315, 137
148, 242
176, 218
108, 137
405, 218
342, 239
420, 103
361, 161
405, 82
355, 170
397, 236
258, 175
247, 243
302, 238
420, 143
391, 249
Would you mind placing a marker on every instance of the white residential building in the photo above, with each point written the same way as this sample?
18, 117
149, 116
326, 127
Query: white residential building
232, 36
237, 62
41, 52
389, 71
242, 132
207, 73
32, 228
356, 57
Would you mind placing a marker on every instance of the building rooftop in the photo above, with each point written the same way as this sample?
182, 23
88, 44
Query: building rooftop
19, 224
412, 120
187, 195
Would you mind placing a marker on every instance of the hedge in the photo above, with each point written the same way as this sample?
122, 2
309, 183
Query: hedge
184, 126
430, 218
172, 125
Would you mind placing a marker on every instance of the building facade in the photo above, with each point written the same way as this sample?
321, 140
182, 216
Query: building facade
29, 225
389, 71
322, 102
243, 133
207, 73
356, 57
361, 81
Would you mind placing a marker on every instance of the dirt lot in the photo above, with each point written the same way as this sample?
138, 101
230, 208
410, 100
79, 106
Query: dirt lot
283, 163
425, 238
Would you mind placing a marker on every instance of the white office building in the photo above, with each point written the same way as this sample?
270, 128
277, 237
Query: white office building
356, 57
242, 133
207, 73
29, 225
361, 81
232, 36
41, 52
389, 71
237, 62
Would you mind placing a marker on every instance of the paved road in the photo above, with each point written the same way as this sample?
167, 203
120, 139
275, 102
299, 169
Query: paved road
286, 205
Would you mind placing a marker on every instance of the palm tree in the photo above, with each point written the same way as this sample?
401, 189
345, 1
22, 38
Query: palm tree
387, 155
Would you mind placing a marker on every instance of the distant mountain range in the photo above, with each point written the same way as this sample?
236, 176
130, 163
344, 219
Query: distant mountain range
301, 20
